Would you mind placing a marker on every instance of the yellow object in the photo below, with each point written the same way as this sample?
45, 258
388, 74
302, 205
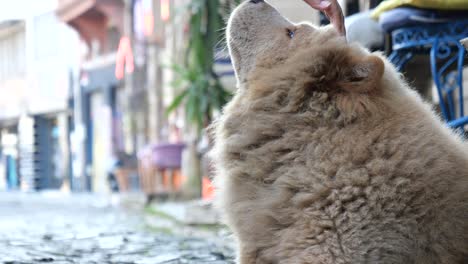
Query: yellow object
432, 4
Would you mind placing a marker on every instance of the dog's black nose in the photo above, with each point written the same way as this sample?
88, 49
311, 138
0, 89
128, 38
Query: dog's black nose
256, 1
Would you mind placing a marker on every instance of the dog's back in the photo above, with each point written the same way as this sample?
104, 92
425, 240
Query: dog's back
371, 193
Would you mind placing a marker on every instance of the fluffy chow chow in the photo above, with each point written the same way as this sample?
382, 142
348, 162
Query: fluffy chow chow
325, 155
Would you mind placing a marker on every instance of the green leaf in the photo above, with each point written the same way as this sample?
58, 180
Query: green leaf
202, 92
176, 102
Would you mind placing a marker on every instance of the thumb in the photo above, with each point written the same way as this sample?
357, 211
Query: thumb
321, 5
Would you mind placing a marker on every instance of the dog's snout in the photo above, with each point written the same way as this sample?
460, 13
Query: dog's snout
256, 1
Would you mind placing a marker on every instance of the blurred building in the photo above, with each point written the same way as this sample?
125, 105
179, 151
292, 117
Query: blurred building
13, 84
99, 96
35, 48
122, 85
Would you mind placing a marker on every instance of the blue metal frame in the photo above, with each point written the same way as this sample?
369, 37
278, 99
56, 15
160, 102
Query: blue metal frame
443, 42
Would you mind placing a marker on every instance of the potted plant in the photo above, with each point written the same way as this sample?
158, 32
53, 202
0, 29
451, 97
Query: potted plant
201, 92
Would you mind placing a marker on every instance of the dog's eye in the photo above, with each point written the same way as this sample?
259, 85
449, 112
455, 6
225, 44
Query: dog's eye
291, 33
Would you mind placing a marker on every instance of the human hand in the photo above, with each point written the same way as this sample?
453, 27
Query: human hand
332, 10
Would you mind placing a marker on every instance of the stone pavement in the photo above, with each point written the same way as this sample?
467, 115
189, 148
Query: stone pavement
81, 228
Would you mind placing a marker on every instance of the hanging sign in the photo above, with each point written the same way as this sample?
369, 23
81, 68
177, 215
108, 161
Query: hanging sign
124, 58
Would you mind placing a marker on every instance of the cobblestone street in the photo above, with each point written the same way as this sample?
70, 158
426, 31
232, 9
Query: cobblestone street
40, 228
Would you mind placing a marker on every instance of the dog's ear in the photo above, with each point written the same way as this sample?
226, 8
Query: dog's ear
344, 71
360, 77
361, 74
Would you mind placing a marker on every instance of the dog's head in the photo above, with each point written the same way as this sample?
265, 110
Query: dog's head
269, 53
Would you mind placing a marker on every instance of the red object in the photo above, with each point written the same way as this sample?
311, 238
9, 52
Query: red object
207, 189
124, 58
165, 10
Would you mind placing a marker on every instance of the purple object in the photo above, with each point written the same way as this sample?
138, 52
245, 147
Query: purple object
167, 155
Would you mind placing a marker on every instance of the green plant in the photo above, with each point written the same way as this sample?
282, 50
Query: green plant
201, 92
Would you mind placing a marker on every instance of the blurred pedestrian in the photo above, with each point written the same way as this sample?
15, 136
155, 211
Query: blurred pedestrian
114, 164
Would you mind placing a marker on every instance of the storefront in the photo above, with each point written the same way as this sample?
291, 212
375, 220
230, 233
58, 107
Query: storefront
9, 177
43, 152
103, 124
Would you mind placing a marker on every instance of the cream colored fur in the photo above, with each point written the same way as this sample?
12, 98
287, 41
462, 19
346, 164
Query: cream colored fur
326, 156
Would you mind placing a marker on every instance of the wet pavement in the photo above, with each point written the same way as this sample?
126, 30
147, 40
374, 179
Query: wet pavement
39, 228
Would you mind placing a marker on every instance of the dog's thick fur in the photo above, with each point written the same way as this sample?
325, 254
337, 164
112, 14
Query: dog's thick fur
326, 156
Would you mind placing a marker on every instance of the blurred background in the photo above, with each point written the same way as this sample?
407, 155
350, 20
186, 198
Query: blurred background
94, 88
104, 106
103, 111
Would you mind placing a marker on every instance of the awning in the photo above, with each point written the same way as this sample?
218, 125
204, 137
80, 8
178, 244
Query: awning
70, 9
